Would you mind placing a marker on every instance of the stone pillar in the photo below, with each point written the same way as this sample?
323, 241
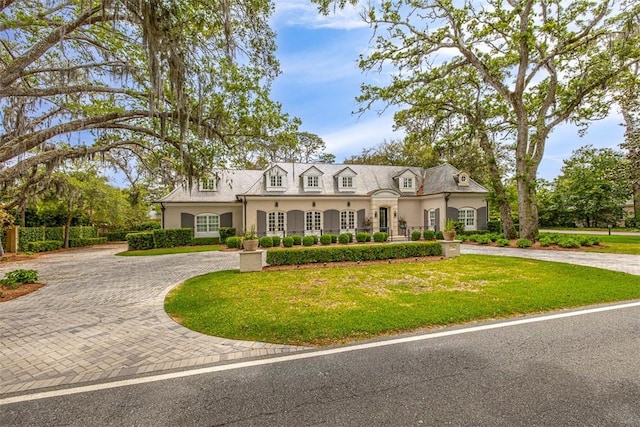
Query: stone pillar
252, 261
450, 248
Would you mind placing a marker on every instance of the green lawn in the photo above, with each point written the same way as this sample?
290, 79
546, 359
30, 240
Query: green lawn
619, 245
171, 251
340, 304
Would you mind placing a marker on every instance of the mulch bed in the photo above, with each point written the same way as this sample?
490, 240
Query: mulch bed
7, 294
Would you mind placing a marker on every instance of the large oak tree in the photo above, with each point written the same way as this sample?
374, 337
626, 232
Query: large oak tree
540, 63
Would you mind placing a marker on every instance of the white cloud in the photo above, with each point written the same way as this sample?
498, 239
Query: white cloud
351, 140
303, 13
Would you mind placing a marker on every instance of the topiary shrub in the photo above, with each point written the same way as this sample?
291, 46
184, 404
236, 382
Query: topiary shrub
429, 234
439, 235
226, 232
325, 239
308, 241
265, 242
234, 242
316, 239
297, 239
523, 243
334, 238
287, 242
363, 237
276, 241
380, 236
345, 238
415, 235
502, 242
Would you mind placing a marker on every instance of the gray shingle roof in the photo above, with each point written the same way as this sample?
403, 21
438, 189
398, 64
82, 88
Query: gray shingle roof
369, 179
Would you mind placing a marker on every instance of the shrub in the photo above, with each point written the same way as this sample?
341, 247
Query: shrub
297, 239
226, 232
205, 241
380, 236
117, 235
569, 242
345, 238
234, 242
18, 277
325, 239
429, 234
415, 235
140, 241
287, 242
462, 237
523, 243
439, 235
147, 226
483, 239
44, 246
545, 242
363, 237
308, 240
266, 242
170, 238
353, 253
495, 236
316, 239
276, 240
494, 226
334, 238
502, 242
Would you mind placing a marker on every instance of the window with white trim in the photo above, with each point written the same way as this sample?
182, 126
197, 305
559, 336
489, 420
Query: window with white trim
432, 219
275, 222
313, 181
207, 225
347, 220
407, 183
275, 180
467, 216
347, 182
208, 184
313, 222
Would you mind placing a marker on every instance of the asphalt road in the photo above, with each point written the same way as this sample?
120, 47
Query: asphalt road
579, 370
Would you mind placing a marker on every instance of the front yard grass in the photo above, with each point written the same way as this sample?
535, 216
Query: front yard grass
172, 251
618, 245
332, 305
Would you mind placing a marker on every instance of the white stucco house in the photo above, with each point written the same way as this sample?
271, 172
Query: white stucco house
295, 198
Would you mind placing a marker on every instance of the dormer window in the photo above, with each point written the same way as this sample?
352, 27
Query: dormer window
312, 179
346, 180
406, 181
209, 184
463, 179
275, 179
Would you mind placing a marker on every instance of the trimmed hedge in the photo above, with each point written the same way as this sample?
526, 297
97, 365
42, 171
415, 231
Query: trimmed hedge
325, 239
362, 237
205, 241
380, 236
117, 235
287, 242
429, 235
309, 240
276, 241
415, 235
170, 238
353, 253
297, 239
226, 232
27, 235
140, 241
44, 245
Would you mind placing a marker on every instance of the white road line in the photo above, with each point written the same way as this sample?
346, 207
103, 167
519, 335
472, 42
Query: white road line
298, 356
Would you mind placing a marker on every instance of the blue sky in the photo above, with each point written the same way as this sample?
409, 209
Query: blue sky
320, 80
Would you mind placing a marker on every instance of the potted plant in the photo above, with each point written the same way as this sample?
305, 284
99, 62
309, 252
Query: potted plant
449, 232
250, 241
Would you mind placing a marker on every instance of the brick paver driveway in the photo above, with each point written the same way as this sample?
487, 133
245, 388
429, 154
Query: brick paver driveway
101, 316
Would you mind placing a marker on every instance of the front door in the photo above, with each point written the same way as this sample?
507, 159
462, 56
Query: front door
384, 222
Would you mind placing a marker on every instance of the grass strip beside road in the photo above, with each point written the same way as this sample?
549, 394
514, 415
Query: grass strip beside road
618, 245
341, 304
172, 251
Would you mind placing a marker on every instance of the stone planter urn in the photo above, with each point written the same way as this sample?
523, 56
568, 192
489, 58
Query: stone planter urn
250, 245
449, 235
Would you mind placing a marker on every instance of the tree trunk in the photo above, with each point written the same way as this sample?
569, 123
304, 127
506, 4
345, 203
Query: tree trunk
67, 228
1, 248
527, 205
